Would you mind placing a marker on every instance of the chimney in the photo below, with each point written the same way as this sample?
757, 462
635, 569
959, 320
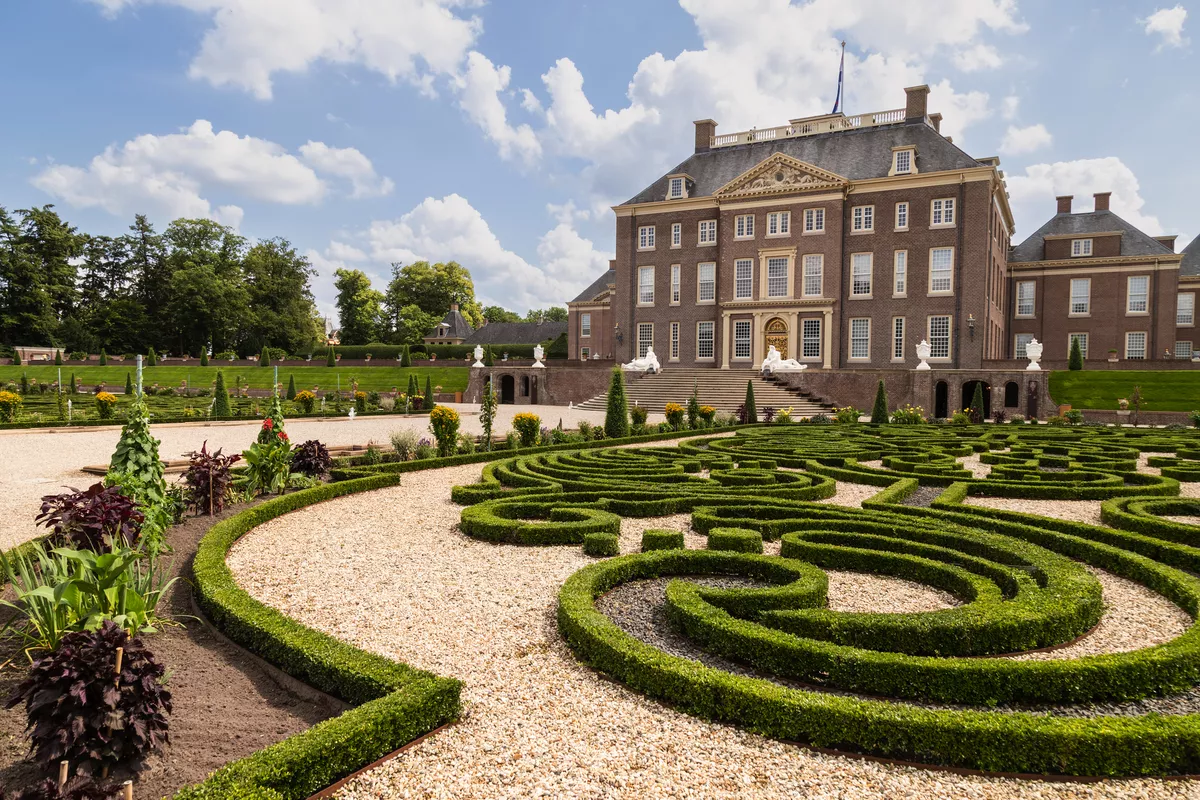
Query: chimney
936, 121
1102, 200
612, 263
454, 306
917, 105
1064, 203
1167, 241
705, 130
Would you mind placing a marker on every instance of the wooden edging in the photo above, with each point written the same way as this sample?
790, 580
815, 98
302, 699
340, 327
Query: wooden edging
330, 791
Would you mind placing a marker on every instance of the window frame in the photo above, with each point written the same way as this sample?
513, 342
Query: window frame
641, 326
748, 340
700, 283
703, 225
585, 354
949, 336
862, 219
781, 221
1017, 345
646, 238
1145, 346
815, 216
1187, 356
641, 302
676, 235
787, 277
911, 152
673, 346
1071, 312
902, 209
1145, 294
737, 280
1032, 312
865, 340
1191, 318
868, 294
743, 227
806, 339
585, 325
671, 193
899, 332
712, 341
947, 212
1081, 248
820, 275
900, 273
676, 284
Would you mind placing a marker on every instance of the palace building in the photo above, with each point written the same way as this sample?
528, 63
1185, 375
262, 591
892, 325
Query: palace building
844, 241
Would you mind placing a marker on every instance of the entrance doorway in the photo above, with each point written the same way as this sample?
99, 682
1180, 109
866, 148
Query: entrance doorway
508, 389
941, 400
968, 394
776, 334
533, 390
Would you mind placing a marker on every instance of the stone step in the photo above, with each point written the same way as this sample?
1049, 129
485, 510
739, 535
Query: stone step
723, 389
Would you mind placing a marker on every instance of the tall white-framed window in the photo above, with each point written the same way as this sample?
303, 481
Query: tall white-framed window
1135, 345
814, 220
1082, 338
677, 234
1020, 342
862, 219
814, 275
902, 162
1185, 308
706, 283
1137, 294
1081, 297
674, 353
777, 276
900, 273
1081, 248
645, 339
810, 338
705, 341
708, 231
860, 339
585, 353
743, 279
779, 223
741, 339
860, 274
898, 338
646, 237
645, 286
1025, 298
941, 212
941, 270
585, 324
676, 189
743, 226
1183, 350
902, 216
939, 336
676, 283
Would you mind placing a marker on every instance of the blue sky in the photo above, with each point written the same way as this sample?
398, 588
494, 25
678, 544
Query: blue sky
500, 134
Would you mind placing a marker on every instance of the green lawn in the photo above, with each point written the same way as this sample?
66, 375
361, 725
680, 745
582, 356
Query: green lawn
1174, 390
378, 379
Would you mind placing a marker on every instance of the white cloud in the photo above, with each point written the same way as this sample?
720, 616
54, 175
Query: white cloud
1167, 23
1018, 141
480, 88
981, 56
250, 41
171, 174
1033, 193
344, 252
1009, 106
348, 163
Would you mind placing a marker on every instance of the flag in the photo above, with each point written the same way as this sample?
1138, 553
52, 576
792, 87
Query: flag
837, 101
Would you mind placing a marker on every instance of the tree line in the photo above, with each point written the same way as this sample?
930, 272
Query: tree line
200, 285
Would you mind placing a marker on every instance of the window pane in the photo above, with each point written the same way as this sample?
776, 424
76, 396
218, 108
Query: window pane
1022, 340
1138, 289
814, 266
1083, 343
675, 281
901, 215
1185, 310
704, 340
812, 338
903, 161
898, 338
941, 267
585, 324
777, 277
860, 281
743, 278
741, 339
1135, 345
860, 338
645, 337
1081, 291
900, 272
675, 340
1183, 350
708, 281
677, 234
939, 337
1025, 298
646, 285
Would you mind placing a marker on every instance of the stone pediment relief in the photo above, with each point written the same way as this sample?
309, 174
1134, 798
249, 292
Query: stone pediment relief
781, 174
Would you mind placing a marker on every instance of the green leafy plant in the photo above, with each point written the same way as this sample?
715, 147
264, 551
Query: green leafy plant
291, 390
81, 709
106, 404
428, 394
220, 407
1075, 360
976, 410
847, 415
151, 358
487, 413
330, 358
10, 406
527, 426
97, 518
749, 409
1194, 418
264, 358
137, 450
311, 458
209, 480
961, 418
909, 415
268, 465
404, 442
879, 412
616, 419
674, 413
443, 423
405, 357
204, 356
306, 400
693, 408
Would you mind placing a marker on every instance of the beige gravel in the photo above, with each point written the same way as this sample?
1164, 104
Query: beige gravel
388, 572
856, 591
978, 469
1076, 510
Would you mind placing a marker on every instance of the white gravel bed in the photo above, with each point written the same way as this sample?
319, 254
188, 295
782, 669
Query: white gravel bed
852, 494
1142, 466
979, 470
388, 572
1189, 489
874, 464
883, 594
1134, 617
1087, 511
1186, 520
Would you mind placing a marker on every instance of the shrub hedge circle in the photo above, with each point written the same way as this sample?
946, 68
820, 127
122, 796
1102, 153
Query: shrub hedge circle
939, 687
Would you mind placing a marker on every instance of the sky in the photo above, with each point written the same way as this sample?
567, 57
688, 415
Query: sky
499, 135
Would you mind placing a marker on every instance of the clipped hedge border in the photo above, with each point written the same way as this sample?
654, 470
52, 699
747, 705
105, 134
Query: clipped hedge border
175, 420
987, 740
394, 703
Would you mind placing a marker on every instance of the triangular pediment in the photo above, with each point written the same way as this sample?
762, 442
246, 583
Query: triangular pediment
781, 174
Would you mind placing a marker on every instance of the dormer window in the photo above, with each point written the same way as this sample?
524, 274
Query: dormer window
676, 187
1081, 248
904, 161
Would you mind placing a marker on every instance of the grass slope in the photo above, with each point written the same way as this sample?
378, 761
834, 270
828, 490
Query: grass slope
378, 379
1174, 390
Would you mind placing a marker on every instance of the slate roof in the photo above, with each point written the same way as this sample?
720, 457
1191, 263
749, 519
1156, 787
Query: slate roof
517, 333
598, 286
1191, 258
853, 154
458, 328
1133, 241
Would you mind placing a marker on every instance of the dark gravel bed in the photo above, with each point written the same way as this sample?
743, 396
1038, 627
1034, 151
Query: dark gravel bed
923, 497
639, 609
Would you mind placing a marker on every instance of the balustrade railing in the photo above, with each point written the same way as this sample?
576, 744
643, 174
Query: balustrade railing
824, 124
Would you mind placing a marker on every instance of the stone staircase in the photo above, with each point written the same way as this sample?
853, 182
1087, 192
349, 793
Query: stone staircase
725, 389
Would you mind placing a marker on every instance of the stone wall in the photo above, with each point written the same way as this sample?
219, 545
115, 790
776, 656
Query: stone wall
558, 384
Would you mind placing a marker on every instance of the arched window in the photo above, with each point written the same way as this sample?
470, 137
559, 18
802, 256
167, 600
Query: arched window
1012, 395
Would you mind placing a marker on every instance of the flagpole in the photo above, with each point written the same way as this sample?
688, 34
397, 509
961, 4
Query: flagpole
838, 101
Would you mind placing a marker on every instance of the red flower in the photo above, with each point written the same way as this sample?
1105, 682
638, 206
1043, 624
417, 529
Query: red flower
268, 424
283, 435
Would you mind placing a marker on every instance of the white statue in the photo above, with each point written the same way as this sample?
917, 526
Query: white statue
1034, 351
478, 356
352, 414
923, 351
776, 363
538, 353
648, 363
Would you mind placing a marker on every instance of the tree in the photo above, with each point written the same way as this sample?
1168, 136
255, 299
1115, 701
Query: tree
552, 314
693, 407
277, 286
58, 358
26, 309
432, 288
488, 359
413, 388
128, 384
487, 413
405, 357
207, 296
500, 314
1075, 362
151, 358
220, 407
291, 390
976, 410
360, 308
330, 358
616, 419
879, 414
428, 404
204, 356
103, 358
413, 324
750, 408
264, 358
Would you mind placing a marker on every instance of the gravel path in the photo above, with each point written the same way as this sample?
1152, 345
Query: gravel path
978, 469
388, 572
1076, 510
37, 462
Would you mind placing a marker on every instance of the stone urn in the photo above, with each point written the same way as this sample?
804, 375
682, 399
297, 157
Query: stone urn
923, 352
478, 356
538, 353
1033, 351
